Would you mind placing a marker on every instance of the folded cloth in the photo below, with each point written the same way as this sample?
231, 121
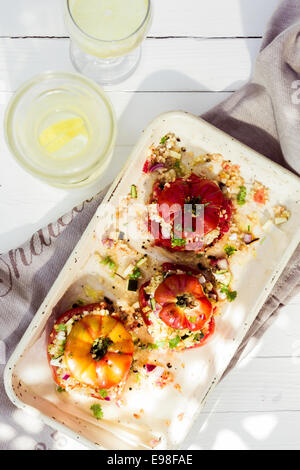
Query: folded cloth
264, 114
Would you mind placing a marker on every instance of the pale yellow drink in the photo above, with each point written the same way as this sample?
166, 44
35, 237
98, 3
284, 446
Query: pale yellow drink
61, 128
108, 28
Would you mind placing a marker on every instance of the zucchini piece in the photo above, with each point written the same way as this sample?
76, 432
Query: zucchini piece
141, 261
133, 191
132, 285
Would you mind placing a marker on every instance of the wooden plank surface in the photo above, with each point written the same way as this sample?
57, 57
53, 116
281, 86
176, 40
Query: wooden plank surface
196, 54
166, 65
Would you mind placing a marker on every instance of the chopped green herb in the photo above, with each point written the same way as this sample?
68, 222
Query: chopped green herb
222, 271
230, 294
110, 263
136, 273
97, 411
173, 343
133, 191
153, 303
249, 228
164, 139
229, 250
100, 347
178, 242
199, 336
152, 346
192, 319
241, 197
160, 344
60, 389
60, 327
103, 393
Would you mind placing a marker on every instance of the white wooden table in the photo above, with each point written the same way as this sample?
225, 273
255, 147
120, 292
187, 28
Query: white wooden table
197, 53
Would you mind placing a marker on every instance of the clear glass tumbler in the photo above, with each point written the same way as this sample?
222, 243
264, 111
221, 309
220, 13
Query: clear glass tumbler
106, 36
61, 128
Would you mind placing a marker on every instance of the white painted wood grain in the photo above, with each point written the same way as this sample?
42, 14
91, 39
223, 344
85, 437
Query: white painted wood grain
242, 431
201, 18
258, 384
166, 65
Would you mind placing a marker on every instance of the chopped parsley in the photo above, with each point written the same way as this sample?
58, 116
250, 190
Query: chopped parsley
60, 389
100, 347
199, 336
178, 242
136, 273
152, 346
60, 327
241, 197
164, 140
173, 343
103, 393
230, 294
110, 263
97, 411
229, 250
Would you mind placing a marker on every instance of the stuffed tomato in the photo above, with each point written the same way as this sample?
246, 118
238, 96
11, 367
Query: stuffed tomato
188, 214
90, 351
178, 306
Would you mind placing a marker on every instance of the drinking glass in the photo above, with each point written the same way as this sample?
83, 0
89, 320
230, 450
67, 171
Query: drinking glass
106, 36
61, 128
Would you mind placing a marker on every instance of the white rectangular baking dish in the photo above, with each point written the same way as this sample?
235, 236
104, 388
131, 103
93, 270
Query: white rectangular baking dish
27, 377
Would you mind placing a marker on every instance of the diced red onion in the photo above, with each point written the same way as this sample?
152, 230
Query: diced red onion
150, 367
213, 261
202, 279
157, 166
108, 241
65, 377
247, 237
222, 264
107, 398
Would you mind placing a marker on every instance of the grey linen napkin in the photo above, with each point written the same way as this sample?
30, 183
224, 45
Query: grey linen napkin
264, 114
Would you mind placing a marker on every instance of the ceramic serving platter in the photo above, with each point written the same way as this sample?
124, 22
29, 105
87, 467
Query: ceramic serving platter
168, 413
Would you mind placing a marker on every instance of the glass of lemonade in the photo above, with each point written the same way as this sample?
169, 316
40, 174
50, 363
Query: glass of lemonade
61, 128
106, 36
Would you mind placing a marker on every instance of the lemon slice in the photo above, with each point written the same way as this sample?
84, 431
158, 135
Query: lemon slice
59, 134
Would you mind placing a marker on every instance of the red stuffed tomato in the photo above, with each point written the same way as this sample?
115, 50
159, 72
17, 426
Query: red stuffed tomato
190, 231
184, 304
175, 308
93, 353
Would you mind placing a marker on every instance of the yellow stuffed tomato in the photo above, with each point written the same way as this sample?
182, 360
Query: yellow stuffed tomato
90, 351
